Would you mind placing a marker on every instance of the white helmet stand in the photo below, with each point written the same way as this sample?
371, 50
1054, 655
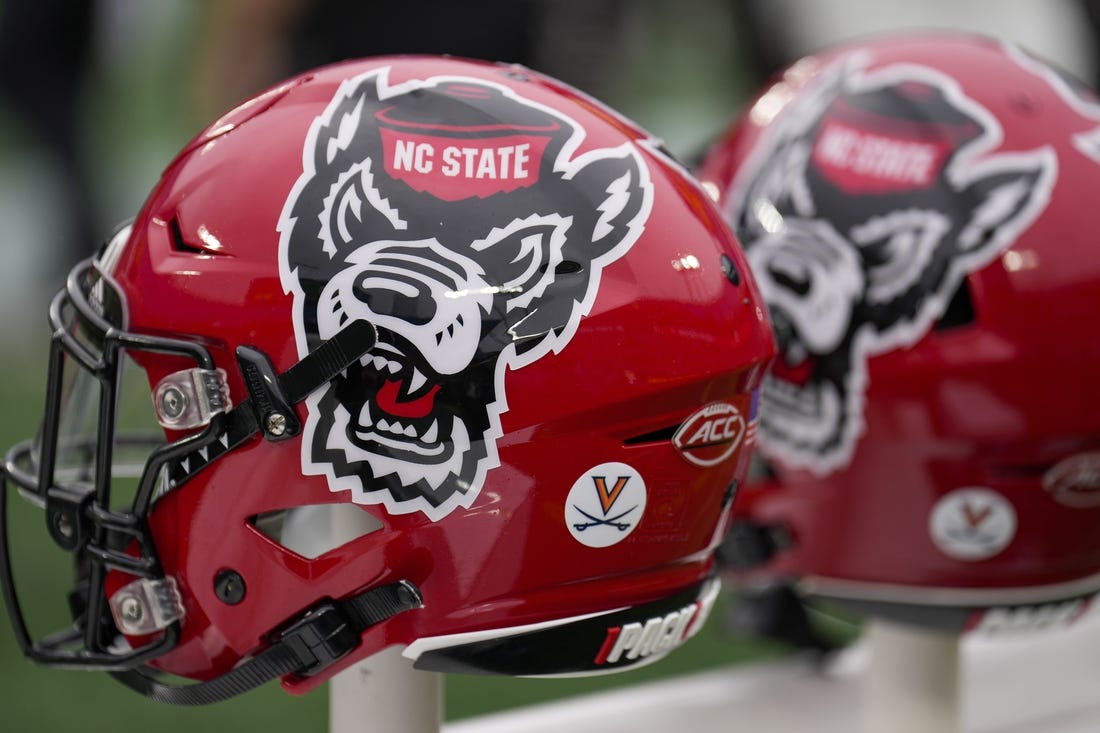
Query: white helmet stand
912, 680
383, 692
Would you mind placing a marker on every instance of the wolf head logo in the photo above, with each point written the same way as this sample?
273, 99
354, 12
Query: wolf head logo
457, 217
872, 198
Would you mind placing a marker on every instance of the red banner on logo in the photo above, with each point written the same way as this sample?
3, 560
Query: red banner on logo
862, 161
452, 168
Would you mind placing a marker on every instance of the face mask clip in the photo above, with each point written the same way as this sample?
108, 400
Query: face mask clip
274, 411
65, 512
189, 398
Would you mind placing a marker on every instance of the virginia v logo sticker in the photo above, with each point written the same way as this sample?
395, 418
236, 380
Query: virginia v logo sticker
605, 504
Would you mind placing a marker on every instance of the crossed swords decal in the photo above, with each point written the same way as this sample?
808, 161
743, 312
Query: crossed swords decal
607, 500
611, 521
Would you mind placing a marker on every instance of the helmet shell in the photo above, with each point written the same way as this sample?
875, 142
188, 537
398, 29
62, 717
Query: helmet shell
915, 209
555, 298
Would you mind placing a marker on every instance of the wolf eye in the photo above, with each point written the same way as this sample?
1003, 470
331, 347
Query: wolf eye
897, 248
516, 257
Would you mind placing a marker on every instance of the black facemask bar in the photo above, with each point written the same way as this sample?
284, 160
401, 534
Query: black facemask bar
80, 521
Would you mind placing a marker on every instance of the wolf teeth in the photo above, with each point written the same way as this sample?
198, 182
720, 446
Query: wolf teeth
432, 433
381, 364
416, 381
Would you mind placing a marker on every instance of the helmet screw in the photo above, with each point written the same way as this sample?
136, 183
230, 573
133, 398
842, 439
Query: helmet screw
64, 526
729, 269
276, 423
229, 587
172, 403
130, 609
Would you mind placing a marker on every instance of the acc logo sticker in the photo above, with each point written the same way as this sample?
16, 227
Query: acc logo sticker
972, 523
1075, 481
711, 434
605, 504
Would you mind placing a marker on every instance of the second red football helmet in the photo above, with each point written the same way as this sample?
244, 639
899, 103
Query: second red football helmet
918, 210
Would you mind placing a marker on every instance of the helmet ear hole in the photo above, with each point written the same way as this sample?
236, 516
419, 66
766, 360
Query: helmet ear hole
179, 244
314, 530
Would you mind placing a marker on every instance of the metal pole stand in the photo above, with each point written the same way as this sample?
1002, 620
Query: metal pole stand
385, 693
912, 682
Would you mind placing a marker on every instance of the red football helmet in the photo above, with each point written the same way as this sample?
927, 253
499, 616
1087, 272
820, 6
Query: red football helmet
916, 209
474, 320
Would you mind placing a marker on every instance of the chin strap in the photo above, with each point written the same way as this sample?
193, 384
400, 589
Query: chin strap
308, 645
775, 611
269, 407
749, 545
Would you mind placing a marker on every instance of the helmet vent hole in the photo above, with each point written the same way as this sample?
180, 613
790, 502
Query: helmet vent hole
312, 531
178, 244
662, 435
960, 311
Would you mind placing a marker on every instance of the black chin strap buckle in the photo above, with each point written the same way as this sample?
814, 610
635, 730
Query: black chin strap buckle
269, 407
329, 631
272, 396
324, 635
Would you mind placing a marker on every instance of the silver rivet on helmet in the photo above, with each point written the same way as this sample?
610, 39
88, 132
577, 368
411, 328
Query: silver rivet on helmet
172, 403
130, 608
65, 527
276, 423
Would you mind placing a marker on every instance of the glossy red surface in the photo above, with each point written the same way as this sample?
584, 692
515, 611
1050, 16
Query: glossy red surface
994, 403
661, 339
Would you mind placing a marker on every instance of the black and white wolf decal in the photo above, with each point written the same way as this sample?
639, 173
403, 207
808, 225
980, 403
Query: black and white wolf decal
458, 218
873, 196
